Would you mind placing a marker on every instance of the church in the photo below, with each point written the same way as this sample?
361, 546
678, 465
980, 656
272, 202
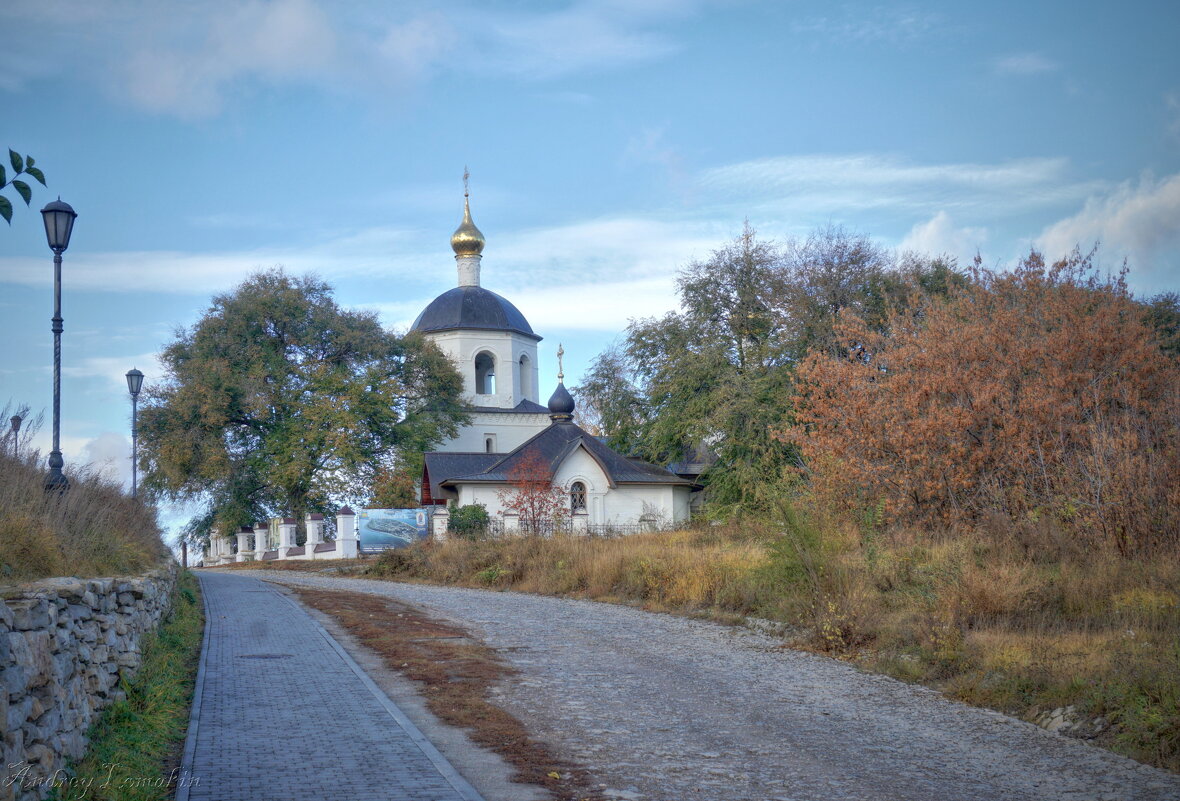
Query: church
494, 348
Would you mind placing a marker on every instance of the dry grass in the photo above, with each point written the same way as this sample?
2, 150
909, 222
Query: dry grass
456, 672
1022, 623
92, 529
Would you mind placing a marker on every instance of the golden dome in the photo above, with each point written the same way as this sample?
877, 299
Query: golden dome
467, 239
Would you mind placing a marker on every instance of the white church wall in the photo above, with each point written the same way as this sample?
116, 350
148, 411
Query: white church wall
580, 466
506, 348
509, 432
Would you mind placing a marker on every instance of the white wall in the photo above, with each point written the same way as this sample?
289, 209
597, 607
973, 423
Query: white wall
506, 348
510, 430
624, 504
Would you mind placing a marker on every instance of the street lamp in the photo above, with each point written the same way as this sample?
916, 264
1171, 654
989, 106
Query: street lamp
16, 421
59, 224
134, 382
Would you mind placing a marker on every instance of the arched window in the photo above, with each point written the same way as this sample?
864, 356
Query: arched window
485, 374
577, 496
526, 377
489, 443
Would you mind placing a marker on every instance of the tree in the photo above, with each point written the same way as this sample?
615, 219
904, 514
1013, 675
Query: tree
718, 375
20, 166
396, 486
1031, 394
279, 401
609, 403
533, 497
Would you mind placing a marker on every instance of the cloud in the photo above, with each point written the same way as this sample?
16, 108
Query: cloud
1138, 221
896, 26
938, 236
201, 55
1024, 64
187, 70
830, 183
113, 370
109, 454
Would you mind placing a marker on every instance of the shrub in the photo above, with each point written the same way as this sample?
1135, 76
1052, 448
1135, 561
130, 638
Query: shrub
469, 522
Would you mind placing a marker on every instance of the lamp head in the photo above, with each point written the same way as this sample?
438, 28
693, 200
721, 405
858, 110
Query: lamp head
59, 224
134, 381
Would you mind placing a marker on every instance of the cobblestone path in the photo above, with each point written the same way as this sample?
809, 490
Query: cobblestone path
282, 712
661, 708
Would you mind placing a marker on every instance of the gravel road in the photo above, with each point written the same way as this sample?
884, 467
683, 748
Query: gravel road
662, 708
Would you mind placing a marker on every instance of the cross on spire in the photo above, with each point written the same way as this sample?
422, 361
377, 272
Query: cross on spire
466, 175
560, 373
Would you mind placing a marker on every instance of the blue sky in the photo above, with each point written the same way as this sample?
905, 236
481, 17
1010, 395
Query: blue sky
609, 141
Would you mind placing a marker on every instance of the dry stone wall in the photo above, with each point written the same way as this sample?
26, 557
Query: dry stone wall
64, 645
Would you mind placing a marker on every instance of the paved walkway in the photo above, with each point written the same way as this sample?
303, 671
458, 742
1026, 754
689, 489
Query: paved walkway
282, 712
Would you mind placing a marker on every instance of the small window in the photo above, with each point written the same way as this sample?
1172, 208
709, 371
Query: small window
489, 443
577, 496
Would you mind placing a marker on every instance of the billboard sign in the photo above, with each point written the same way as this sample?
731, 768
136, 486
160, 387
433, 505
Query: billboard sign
382, 529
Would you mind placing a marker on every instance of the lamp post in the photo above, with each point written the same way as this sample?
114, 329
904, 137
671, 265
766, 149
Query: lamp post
15, 420
59, 224
134, 382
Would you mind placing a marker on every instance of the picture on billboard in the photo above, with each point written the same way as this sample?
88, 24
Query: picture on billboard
381, 529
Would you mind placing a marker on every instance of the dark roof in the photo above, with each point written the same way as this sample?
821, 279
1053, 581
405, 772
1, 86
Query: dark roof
441, 465
472, 307
553, 444
524, 407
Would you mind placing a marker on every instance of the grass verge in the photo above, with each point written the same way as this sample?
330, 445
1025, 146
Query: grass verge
136, 745
1024, 622
93, 529
456, 672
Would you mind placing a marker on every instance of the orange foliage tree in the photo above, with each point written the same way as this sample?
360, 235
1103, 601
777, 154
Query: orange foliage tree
540, 504
1031, 393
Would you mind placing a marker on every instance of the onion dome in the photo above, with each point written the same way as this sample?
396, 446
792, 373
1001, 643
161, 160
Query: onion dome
467, 239
561, 405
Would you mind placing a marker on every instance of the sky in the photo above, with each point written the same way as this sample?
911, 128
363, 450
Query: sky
610, 143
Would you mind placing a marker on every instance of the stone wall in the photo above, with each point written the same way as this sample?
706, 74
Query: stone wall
64, 645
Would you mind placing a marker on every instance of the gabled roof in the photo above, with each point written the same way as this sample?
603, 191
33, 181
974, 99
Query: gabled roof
440, 465
554, 444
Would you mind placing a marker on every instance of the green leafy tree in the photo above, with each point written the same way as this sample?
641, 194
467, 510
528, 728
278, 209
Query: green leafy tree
280, 402
609, 403
718, 372
20, 166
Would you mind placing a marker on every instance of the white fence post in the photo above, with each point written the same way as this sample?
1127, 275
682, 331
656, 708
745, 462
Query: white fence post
243, 544
440, 522
346, 539
286, 536
261, 533
315, 534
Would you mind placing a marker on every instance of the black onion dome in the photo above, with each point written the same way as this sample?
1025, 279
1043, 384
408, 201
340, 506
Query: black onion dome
561, 404
472, 307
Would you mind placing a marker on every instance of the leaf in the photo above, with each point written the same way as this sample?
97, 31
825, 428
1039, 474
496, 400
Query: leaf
36, 173
553, 774
28, 162
18, 164
3, 176
5, 209
23, 189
